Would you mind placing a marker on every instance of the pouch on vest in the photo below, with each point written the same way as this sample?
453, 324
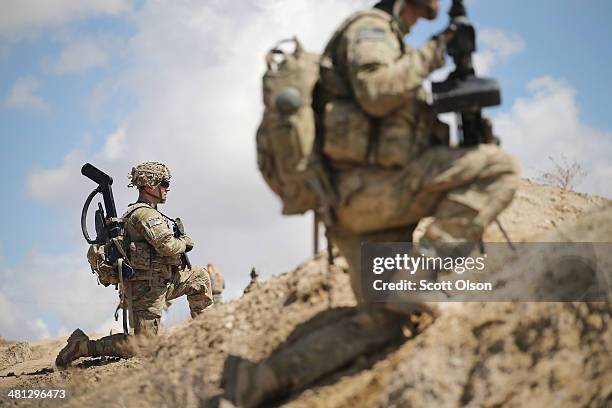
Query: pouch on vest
145, 261
96, 256
347, 132
407, 132
140, 255
286, 153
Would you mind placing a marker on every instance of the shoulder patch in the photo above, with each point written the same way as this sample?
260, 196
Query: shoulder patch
371, 34
153, 222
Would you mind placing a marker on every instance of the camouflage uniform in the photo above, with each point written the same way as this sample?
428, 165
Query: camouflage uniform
409, 171
391, 166
160, 275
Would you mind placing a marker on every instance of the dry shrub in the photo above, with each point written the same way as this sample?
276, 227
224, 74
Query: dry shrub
565, 173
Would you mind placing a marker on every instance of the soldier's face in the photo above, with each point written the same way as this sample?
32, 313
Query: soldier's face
159, 193
413, 11
163, 192
431, 11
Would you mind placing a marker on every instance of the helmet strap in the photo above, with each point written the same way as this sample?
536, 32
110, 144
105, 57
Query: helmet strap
158, 196
398, 5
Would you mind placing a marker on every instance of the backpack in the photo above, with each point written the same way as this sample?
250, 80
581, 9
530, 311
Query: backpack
97, 254
98, 261
288, 153
290, 136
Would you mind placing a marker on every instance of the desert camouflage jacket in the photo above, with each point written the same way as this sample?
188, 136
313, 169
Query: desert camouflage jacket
152, 245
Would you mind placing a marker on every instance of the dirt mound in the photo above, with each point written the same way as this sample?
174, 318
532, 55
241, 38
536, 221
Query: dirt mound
475, 354
14, 353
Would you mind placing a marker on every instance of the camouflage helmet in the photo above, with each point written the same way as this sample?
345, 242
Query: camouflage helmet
430, 6
149, 174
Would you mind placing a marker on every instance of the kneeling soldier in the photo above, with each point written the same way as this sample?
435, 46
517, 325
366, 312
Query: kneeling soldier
161, 273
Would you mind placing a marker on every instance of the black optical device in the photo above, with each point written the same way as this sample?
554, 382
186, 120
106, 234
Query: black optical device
463, 92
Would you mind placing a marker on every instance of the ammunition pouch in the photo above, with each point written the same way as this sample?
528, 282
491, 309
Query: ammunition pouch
347, 132
107, 273
394, 141
148, 264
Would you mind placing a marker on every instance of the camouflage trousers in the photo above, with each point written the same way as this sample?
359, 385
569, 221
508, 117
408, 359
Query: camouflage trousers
149, 299
464, 190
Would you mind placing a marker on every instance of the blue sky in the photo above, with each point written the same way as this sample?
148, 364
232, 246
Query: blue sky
118, 82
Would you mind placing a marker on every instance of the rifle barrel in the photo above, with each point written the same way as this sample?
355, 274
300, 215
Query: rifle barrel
96, 175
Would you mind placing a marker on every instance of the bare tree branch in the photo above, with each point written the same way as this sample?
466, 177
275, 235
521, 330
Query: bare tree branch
565, 173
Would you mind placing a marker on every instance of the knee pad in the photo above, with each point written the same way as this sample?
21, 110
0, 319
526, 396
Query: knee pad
146, 323
199, 301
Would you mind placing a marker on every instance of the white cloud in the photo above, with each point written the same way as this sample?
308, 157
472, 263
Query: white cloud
58, 285
195, 75
17, 324
495, 47
59, 186
115, 146
4, 51
63, 332
79, 57
503, 43
8, 317
110, 325
23, 95
38, 328
197, 90
547, 123
22, 17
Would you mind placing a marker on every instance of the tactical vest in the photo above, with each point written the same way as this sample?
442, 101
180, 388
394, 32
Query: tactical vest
354, 138
143, 257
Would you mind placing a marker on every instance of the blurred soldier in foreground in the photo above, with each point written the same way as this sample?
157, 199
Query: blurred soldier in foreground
157, 256
409, 171
391, 166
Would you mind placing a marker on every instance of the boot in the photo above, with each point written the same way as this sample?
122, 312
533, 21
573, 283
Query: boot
78, 346
247, 384
308, 358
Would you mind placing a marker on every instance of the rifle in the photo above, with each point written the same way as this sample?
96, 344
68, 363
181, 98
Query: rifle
463, 92
179, 231
109, 229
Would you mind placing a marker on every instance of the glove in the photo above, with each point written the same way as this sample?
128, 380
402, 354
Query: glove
188, 243
446, 36
487, 133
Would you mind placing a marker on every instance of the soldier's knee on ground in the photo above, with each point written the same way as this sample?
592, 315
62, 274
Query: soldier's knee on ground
146, 323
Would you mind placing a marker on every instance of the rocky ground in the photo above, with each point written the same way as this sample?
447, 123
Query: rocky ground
474, 354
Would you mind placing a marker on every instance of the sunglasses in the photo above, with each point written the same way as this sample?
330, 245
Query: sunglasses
165, 184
